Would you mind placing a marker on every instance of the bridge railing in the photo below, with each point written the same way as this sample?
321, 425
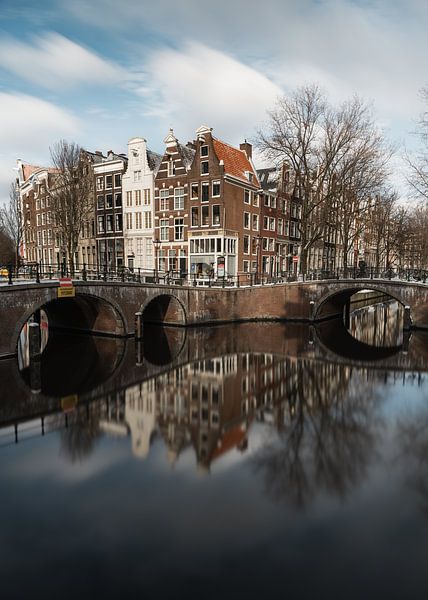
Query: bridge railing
37, 272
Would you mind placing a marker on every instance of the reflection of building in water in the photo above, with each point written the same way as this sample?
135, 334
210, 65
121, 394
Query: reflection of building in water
210, 404
378, 325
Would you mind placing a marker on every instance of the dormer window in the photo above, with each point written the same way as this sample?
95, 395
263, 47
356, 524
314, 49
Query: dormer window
250, 177
204, 150
204, 167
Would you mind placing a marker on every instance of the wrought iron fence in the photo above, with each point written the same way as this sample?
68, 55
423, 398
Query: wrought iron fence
38, 272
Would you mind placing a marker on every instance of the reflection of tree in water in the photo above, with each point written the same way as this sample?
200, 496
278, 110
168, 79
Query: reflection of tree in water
412, 437
325, 438
79, 431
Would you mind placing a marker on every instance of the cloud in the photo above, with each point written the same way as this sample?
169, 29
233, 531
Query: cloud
197, 85
54, 61
28, 126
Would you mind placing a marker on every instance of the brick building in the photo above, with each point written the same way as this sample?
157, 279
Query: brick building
207, 211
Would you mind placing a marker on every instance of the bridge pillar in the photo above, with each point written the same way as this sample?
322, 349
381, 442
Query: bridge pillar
347, 314
139, 353
35, 358
407, 322
312, 310
138, 325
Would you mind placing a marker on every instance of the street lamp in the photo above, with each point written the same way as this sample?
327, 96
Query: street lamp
156, 243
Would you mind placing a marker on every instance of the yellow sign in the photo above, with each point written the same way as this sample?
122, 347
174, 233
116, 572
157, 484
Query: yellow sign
69, 403
66, 292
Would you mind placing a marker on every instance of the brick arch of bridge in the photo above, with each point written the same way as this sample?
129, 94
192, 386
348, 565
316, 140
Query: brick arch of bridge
84, 312
164, 308
333, 301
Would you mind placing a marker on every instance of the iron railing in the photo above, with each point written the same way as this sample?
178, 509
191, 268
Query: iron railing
37, 272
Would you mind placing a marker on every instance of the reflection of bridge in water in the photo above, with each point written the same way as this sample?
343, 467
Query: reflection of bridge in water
173, 383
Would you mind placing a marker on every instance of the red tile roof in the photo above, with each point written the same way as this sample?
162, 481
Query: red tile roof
230, 439
28, 170
235, 161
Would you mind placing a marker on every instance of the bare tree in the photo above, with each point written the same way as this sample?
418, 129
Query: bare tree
11, 221
71, 194
360, 174
418, 163
326, 148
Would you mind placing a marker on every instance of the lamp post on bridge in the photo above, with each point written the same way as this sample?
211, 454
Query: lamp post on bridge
156, 243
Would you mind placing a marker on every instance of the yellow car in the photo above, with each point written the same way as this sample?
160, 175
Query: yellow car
4, 272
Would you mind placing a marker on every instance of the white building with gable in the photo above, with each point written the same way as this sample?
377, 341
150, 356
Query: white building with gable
138, 204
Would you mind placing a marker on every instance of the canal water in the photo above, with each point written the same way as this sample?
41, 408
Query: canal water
238, 461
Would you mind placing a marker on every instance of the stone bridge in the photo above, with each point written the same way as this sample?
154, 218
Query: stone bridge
110, 308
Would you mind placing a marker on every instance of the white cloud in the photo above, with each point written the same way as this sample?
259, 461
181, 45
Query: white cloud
199, 85
28, 126
55, 61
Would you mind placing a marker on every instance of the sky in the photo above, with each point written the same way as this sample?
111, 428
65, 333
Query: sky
99, 72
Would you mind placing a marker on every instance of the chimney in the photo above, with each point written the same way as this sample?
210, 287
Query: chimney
247, 148
98, 152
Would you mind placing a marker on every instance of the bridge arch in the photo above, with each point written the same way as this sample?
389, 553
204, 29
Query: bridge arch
332, 302
84, 312
164, 309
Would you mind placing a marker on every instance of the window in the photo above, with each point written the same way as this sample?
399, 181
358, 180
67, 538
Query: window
271, 224
204, 150
147, 219
118, 222
128, 220
179, 198
164, 233
100, 183
205, 192
273, 202
179, 229
255, 222
109, 181
216, 188
246, 220
117, 180
43, 218
109, 223
137, 175
137, 197
195, 216
194, 190
267, 200
216, 214
37, 204
246, 266
265, 223
164, 200
109, 200
138, 220
246, 244
247, 196
42, 203
204, 167
100, 225
118, 199
280, 226
38, 220
128, 198
265, 243
100, 202
147, 197
171, 168
205, 215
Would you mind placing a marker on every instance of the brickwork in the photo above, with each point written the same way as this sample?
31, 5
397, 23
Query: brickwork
197, 306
